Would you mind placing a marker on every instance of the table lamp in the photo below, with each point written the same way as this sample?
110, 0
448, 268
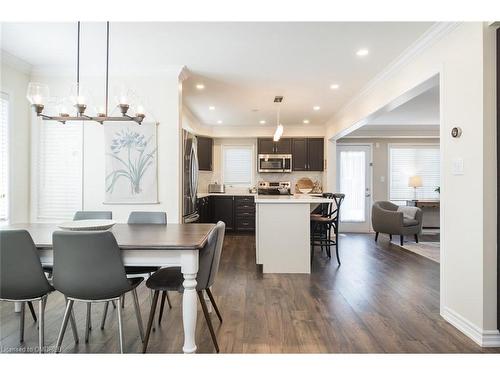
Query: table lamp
415, 182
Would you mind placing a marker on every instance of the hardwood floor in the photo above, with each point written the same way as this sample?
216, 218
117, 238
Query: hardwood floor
382, 299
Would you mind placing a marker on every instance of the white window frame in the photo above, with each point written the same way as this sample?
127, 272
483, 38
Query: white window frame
5, 96
389, 166
252, 168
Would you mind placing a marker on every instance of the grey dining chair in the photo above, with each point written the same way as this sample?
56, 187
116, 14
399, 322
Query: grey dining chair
22, 278
171, 279
138, 218
86, 215
93, 215
88, 268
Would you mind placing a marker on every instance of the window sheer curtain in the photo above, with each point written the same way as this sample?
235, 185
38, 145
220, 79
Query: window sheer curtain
59, 170
406, 161
4, 157
237, 165
352, 184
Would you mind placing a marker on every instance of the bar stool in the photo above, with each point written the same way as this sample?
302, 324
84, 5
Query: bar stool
323, 223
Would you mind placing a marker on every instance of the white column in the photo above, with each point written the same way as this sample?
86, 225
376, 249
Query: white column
189, 268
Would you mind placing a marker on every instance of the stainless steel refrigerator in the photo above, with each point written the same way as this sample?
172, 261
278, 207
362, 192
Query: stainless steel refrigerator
190, 178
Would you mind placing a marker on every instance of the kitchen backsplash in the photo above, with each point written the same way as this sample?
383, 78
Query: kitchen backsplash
206, 178
293, 177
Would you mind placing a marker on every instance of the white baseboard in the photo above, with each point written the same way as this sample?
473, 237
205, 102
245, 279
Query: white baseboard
484, 338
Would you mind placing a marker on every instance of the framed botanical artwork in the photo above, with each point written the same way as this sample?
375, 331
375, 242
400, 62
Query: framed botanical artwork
131, 163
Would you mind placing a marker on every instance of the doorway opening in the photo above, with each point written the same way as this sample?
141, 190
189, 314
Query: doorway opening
392, 160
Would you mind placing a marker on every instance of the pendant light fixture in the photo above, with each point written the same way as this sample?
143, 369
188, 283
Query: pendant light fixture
38, 95
279, 128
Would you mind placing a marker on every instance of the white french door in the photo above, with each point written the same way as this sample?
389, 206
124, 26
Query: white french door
354, 180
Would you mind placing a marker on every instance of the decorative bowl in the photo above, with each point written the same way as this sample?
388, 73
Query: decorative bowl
305, 191
87, 225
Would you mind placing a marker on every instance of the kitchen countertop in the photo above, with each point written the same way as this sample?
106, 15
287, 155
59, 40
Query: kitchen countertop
291, 199
243, 194
239, 194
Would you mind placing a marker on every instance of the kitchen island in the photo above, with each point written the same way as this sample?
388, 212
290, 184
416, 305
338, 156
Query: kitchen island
283, 232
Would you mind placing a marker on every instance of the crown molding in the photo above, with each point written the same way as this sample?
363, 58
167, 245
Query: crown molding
431, 36
15, 62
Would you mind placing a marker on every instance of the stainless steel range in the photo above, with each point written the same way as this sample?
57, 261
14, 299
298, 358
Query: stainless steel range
274, 188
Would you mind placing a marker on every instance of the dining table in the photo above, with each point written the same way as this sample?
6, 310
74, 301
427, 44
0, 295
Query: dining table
147, 245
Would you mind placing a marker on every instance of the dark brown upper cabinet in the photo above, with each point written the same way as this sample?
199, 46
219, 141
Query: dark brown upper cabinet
268, 146
299, 154
205, 147
307, 154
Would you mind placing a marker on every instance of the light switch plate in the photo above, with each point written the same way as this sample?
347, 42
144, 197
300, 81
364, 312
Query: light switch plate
382, 178
457, 167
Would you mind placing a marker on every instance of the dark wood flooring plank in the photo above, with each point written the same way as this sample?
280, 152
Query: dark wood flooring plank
382, 299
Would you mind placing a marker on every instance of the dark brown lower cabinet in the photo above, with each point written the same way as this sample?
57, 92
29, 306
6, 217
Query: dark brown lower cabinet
223, 210
244, 208
204, 210
238, 212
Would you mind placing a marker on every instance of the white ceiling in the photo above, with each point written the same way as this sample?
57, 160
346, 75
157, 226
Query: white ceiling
242, 65
421, 110
418, 116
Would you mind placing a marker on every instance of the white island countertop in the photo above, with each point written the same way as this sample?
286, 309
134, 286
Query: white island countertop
287, 199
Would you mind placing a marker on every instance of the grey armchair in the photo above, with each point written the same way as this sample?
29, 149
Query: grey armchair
387, 219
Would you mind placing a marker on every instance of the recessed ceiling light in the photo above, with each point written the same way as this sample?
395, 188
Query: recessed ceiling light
316, 107
362, 52
200, 86
219, 121
306, 121
262, 122
212, 108
334, 86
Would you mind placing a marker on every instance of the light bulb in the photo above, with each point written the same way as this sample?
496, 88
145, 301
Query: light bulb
278, 133
100, 111
37, 93
123, 99
140, 110
63, 106
81, 99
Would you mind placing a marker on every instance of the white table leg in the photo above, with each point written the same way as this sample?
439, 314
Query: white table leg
189, 270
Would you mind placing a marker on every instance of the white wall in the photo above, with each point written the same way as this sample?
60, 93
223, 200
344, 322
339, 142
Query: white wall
464, 59
163, 91
14, 78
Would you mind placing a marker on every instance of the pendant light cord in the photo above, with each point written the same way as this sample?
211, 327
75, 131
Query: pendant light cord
78, 61
107, 65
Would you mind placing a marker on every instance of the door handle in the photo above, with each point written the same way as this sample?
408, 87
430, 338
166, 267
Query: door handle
368, 195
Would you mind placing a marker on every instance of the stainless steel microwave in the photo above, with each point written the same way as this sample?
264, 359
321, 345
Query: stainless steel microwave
274, 163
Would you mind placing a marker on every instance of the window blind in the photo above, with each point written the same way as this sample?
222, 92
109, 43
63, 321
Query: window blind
237, 165
59, 185
4, 156
406, 161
